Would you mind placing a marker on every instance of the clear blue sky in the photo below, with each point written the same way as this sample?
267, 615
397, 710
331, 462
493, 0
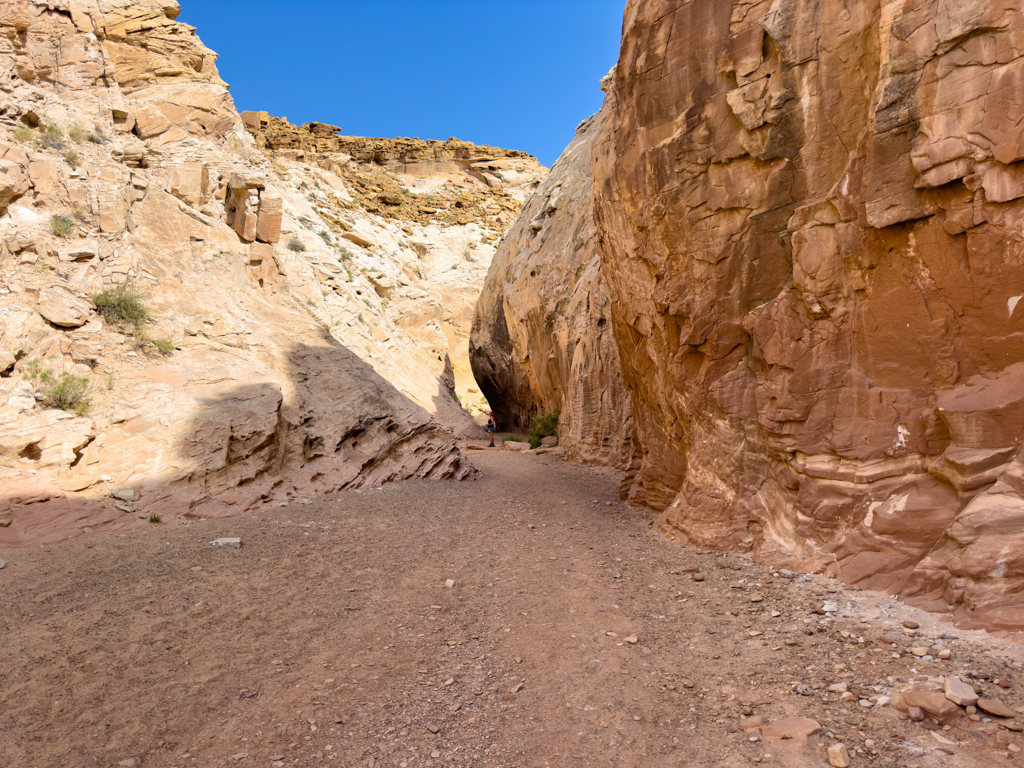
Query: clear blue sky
519, 74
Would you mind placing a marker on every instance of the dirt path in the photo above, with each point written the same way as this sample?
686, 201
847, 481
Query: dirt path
330, 639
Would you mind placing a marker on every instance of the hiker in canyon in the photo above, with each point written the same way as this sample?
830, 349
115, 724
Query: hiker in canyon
490, 428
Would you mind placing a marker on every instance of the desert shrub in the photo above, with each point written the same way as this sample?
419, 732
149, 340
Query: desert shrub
154, 519
543, 426
164, 346
97, 136
72, 158
61, 225
123, 304
296, 245
65, 391
76, 134
24, 133
53, 138
325, 236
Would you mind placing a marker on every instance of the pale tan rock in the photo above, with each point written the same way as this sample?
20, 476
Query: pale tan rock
542, 338
44, 174
151, 122
46, 441
838, 756
61, 307
187, 183
80, 250
512, 445
268, 226
24, 331
960, 692
357, 239
14, 182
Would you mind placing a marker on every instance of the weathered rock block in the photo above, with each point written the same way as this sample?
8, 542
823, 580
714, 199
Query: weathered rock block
271, 214
61, 307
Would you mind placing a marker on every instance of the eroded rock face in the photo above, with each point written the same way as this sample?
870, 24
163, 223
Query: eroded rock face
257, 397
542, 338
810, 217
391, 255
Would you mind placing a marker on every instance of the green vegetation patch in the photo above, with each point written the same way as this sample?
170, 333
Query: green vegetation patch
544, 426
123, 305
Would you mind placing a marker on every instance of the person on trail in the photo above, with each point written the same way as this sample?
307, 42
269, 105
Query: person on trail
490, 428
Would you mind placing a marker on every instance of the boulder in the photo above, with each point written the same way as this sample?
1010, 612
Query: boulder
244, 180
357, 239
61, 307
14, 182
80, 250
512, 445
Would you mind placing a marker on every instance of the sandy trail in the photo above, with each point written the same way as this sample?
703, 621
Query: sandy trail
330, 639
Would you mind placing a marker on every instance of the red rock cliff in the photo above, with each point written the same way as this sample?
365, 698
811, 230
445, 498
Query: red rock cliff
808, 218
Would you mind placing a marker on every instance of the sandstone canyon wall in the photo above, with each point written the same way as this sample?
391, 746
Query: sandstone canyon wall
811, 216
297, 369
398, 237
809, 223
542, 339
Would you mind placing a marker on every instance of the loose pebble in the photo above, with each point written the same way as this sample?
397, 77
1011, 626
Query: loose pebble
838, 756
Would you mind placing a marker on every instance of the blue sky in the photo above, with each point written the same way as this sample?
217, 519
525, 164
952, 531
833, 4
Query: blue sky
519, 74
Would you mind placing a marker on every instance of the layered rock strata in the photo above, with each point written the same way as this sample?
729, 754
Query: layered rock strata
542, 340
809, 223
122, 158
811, 231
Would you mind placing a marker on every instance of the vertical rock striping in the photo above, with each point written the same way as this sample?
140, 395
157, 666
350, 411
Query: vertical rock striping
542, 339
811, 226
809, 222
